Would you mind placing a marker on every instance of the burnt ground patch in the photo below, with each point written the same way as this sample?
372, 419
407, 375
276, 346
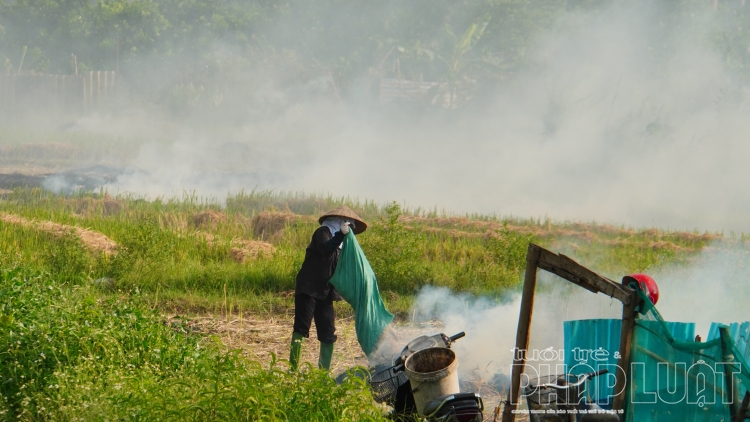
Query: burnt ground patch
18, 180
85, 179
66, 182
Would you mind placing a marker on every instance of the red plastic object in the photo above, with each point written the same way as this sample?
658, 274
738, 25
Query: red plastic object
645, 283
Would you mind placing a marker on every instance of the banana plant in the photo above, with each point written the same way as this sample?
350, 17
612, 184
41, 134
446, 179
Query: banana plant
456, 61
453, 57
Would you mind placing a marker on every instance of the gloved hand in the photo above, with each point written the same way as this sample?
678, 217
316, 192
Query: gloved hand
345, 228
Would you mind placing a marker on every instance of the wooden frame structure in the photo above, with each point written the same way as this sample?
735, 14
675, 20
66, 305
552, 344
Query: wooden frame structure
568, 269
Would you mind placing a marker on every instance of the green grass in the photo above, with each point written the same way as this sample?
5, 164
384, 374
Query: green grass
70, 354
162, 249
82, 335
166, 248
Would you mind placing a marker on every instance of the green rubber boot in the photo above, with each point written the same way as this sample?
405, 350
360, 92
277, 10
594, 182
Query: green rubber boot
296, 350
326, 355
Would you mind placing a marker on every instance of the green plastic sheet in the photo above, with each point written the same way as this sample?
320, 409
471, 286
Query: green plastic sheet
674, 380
583, 337
356, 283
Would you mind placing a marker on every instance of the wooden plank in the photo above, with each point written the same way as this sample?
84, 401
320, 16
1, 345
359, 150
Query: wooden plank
576, 273
626, 346
522, 335
568, 269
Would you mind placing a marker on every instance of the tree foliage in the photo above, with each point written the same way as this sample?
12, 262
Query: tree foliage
189, 52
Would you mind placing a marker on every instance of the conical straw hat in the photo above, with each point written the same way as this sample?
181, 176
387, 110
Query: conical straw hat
344, 211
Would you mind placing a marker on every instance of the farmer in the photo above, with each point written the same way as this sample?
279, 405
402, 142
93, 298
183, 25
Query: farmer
313, 294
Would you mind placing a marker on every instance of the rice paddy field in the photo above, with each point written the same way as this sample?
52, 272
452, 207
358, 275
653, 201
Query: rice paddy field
119, 307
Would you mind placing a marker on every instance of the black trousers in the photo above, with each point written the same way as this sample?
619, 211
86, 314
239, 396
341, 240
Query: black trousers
307, 308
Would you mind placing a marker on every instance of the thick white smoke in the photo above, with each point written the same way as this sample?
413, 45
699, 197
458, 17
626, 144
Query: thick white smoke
622, 118
710, 288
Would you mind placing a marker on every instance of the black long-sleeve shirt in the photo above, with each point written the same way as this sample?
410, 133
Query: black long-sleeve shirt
321, 257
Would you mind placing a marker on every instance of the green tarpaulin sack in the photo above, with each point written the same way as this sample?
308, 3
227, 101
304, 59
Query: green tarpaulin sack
356, 283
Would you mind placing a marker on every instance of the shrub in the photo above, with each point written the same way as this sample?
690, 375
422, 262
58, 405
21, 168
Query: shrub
396, 253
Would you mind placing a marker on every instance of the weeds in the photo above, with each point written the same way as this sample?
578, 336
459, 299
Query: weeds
70, 355
395, 253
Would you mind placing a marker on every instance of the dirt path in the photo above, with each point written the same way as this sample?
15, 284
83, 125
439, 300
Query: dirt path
259, 337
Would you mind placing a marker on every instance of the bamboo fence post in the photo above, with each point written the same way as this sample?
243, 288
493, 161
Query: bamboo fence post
85, 95
98, 86
91, 89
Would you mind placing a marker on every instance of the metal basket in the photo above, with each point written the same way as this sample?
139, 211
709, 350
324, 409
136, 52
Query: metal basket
385, 385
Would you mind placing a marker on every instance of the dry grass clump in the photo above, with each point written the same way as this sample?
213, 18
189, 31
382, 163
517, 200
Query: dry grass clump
242, 250
177, 222
451, 233
93, 240
267, 224
208, 219
664, 245
451, 222
605, 234
87, 206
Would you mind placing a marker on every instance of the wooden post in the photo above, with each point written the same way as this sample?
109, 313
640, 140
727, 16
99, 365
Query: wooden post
626, 345
522, 335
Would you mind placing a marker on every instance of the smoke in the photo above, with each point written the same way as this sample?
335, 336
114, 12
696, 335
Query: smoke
631, 114
710, 289
490, 325
622, 117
